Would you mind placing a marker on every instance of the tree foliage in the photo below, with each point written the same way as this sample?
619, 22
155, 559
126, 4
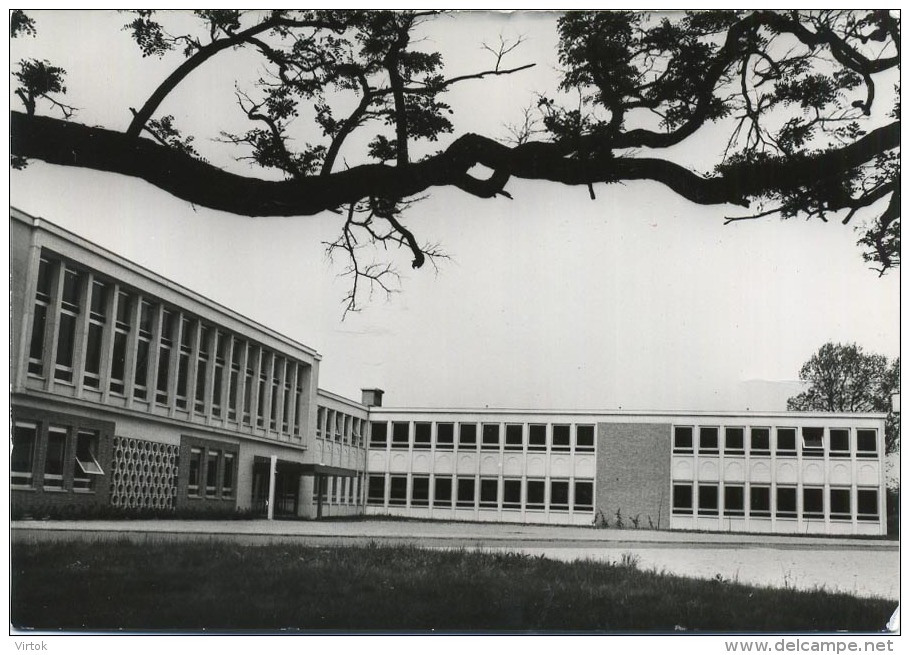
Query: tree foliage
807, 100
843, 378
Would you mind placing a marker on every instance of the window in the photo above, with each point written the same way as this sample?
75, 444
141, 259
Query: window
227, 478
195, 471
378, 434
707, 500
87, 467
813, 442
66, 335
423, 437
202, 365
839, 442
759, 501
537, 437
265, 365
562, 441
514, 436
839, 500
211, 474
682, 440
707, 441
398, 490
584, 496
400, 434
183, 360
320, 423
813, 503
420, 491
867, 504
121, 332
734, 499
54, 458
866, 443
786, 441
298, 414
535, 494
376, 490
96, 321
140, 379
238, 348
584, 438
442, 494
39, 320
490, 438
465, 492
218, 377
760, 441
559, 494
786, 502
467, 435
445, 436
22, 458
489, 492
734, 441
511, 494
682, 499
168, 324
247, 389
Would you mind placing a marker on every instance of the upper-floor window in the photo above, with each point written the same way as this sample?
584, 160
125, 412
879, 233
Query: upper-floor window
39, 319
378, 434
490, 436
514, 436
121, 332
445, 436
760, 441
422, 434
562, 440
537, 437
66, 334
813, 442
786, 441
143, 348
467, 435
707, 441
734, 441
866, 443
94, 339
584, 438
839, 442
683, 442
400, 434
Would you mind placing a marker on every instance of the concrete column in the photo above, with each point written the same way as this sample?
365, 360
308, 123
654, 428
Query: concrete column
305, 497
270, 505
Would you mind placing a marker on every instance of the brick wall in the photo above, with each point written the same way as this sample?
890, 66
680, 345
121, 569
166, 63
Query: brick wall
633, 473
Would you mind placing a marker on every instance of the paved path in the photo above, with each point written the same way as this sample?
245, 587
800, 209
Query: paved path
433, 533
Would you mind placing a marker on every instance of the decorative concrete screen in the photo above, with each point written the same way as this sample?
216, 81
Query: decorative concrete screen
144, 474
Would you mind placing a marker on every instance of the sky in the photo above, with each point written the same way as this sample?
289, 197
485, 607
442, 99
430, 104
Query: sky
635, 300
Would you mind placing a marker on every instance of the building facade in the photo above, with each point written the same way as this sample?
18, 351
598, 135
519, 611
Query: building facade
130, 391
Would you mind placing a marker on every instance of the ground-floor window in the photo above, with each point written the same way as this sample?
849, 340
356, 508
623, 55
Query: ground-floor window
559, 494
511, 494
584, 496
442, 492
489, 492
376, 490
707, 500
465, 492
813, 503
682, 499
867, 504
420, 491
398, 490
535, 494
786, 502
760, 501
22, 457
734, 499
839, 502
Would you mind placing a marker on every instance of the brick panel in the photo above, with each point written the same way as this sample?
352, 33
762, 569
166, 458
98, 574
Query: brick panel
633, 473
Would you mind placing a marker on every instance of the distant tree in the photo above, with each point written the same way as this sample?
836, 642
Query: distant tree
348, 110
843, 378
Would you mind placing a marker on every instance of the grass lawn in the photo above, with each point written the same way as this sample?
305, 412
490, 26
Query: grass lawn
218, 585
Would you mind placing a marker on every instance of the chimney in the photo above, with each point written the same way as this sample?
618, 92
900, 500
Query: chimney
371, 397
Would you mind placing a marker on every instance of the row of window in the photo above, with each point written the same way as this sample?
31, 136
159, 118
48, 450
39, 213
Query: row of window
216, 468
446, 492
559, 437
126, 344
841, 502
338, 490
54, 457
337, 426
711, 440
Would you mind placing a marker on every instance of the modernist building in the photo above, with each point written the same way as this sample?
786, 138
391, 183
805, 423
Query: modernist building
131, 391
